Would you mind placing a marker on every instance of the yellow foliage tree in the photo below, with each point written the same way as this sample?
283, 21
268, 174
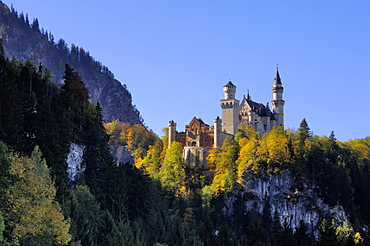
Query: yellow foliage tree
247, 131
136, 138
361, 150
172, 174
212, 159
33, 215
152, 162
225, 172
117, 131
247, 160
274, 150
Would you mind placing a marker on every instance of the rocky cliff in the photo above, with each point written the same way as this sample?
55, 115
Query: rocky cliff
284, 200
26, 41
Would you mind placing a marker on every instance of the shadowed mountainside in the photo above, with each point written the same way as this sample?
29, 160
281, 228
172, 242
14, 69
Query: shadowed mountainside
26, 41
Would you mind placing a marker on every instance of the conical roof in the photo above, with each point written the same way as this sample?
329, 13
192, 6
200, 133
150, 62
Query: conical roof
277, 80
229, 84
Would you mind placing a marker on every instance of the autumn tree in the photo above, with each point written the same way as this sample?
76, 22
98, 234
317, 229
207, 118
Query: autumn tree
247, 161
137, 138
247, 131
32, 213
212, 158
172, 174
152, 161
117, 132
274, 150
225, 175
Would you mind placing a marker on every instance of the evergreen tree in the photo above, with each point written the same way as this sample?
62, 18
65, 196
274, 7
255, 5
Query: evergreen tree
304, 131
86, 217
2, 228
35, 25
225, 236
277, 229
327, 234
287, 236
97, 159
301, 235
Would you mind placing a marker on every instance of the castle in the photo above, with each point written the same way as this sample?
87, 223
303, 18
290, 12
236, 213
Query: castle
199, 138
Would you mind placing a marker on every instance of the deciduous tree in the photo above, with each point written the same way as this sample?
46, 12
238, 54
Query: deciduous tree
172, 174
225, 175
33, 215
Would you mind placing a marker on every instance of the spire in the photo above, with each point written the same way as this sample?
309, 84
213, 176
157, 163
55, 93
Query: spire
277, 80
249, 96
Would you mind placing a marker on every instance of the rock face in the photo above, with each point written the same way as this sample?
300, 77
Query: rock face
121, 154
74, 161
25, 41
291, 205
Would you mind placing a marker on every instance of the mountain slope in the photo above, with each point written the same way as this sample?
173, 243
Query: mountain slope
25, 41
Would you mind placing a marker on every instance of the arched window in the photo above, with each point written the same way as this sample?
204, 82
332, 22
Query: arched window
194, 144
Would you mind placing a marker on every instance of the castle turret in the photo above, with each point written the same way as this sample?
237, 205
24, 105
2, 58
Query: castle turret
171, 132
217, 133
251, 116
230, 112
278, 102
229, 91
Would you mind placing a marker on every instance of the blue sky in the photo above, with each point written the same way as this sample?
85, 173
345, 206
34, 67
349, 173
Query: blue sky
175, 56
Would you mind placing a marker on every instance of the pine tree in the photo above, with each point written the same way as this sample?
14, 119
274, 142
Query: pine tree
2, 228
97, 156
35, 25
327, 234
86, 216
74, 85
304, 131
301, 235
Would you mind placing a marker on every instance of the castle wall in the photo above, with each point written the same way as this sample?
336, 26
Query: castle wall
181, 138
196, 156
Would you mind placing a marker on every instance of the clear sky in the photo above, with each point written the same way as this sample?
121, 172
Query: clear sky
175, 55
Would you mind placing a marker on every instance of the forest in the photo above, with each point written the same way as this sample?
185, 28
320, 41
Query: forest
157, 199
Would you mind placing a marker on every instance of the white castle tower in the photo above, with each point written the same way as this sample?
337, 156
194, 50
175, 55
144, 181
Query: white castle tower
171, 132
217, 138
278, 102
230, 109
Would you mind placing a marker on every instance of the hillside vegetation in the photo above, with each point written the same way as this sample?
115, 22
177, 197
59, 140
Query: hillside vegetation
26, 40
157, 199
160, 200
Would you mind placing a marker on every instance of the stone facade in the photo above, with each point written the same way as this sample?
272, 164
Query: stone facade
198, 137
